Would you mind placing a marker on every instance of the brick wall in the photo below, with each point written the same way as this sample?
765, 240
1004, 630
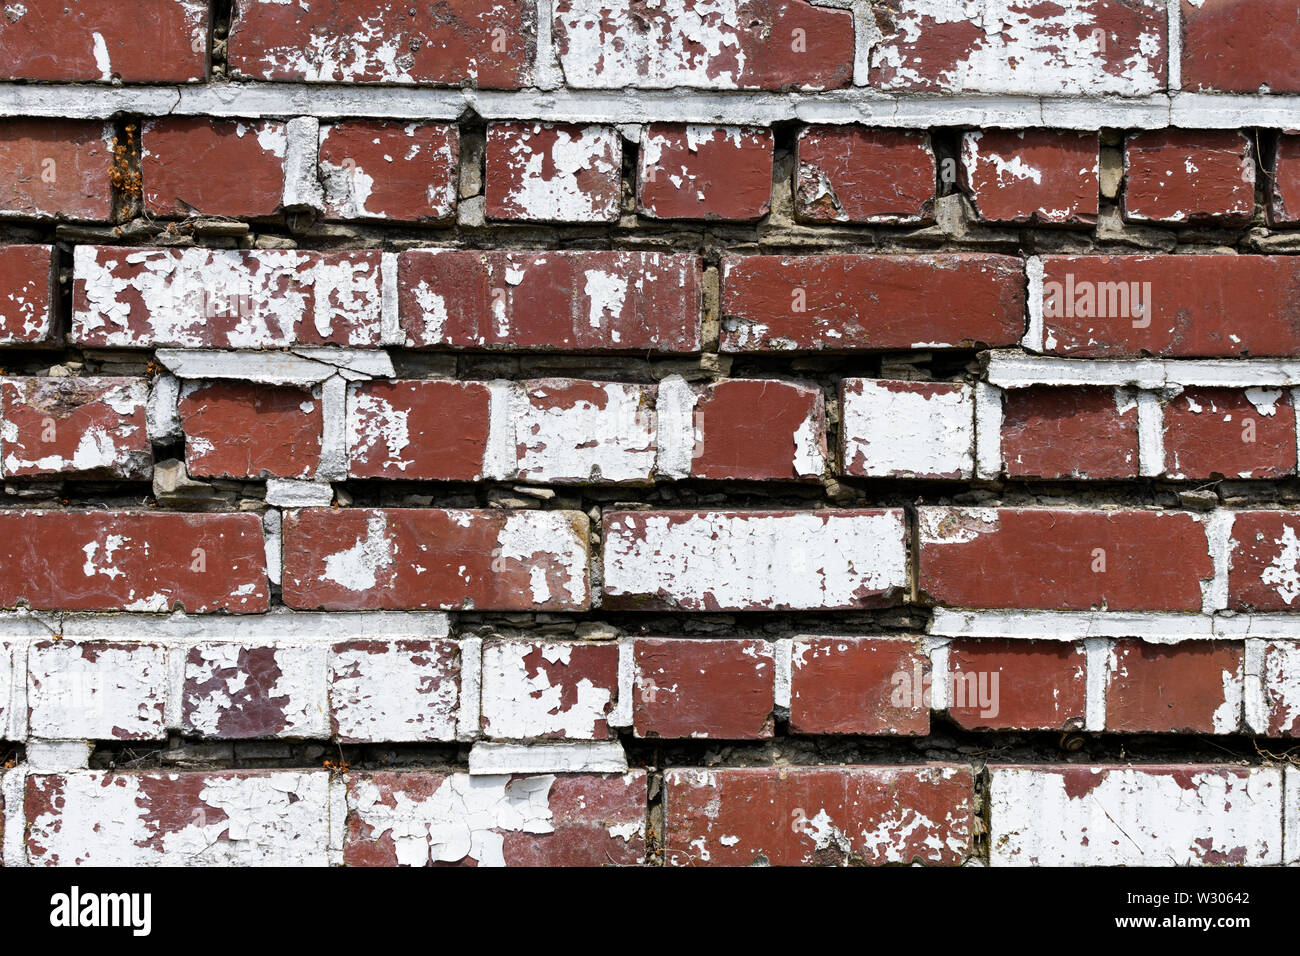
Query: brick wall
551, 432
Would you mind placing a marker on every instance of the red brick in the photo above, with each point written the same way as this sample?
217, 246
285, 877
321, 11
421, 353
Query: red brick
237, 430
1183, 688
758, 430
418, 430
419, 818
859, 685
1230, 432
1189, 176
215, 167
1060, 559
902, 429
749, 45
225, 298
719, 689
1069, 433
91, 427
548, 690
1283, 197
156, 818
705, 172
394, 691
484, 43
1032, 177
1194, 687
583, 301
853, 174
1280, 683
397, 558
132, 560
1017, 685
27, 294
852, 302
553, 172
373, 169
1021, 46
740, 560
1240, 46
247, 691
55, 168
1264, 565
798, 816
1200, 306
146, 41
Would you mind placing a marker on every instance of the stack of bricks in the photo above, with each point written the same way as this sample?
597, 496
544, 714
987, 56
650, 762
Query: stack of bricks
541, 432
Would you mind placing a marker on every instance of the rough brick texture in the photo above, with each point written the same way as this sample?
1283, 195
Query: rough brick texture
654, 433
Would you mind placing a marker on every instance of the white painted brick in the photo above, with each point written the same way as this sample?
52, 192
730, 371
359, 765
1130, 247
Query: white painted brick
231, 818
395, 691
97, 691
1175, 815
753, 560
563, 690
908, 429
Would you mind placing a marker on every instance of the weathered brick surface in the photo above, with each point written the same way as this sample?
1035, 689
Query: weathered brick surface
205, 298
100, 41
1019, 46
220, 818
746, 561
705, 172
484, 42
1063, 559
548, 690
854, 302
1190, 688
55, 169
574, 432
1154, 815
1189, 176
793, 816
418, 429
852, 174
26, 294
553, 173
242, 431
230, 168
1039, 177
703, 688
896, 429
859, 685
1242, 46
1017, 685
1198, 306
748, 45
757, 430
85, 427
1236, 433
394, 690
420, 819
132, 560
583, 301
383, 170
1070, 433
364, 559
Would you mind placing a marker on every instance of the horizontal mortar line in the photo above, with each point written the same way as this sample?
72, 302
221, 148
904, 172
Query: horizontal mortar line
1158, 627
1012, 369
857, 105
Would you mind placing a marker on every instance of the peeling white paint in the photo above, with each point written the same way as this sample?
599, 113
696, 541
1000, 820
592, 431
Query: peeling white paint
891, 429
